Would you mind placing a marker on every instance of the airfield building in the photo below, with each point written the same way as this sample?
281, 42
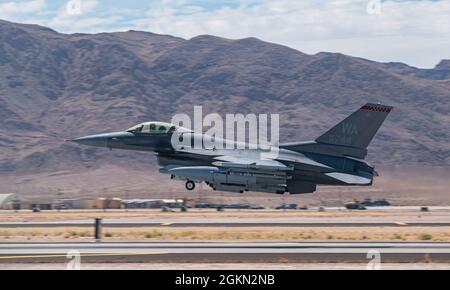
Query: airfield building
12, 201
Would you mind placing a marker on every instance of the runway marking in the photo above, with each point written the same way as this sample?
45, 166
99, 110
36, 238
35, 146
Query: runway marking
81, 255
401, 223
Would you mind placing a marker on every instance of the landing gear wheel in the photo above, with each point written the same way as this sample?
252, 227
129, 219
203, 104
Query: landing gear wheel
190, 185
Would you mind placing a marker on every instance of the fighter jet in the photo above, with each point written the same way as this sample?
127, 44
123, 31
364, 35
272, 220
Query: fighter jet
334, 158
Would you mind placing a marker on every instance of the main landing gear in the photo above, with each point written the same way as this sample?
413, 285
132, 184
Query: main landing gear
190, 185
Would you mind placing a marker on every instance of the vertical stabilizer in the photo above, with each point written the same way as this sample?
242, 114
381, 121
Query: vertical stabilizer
358, 129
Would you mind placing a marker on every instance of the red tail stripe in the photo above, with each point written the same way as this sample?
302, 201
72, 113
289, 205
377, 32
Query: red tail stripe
377, 109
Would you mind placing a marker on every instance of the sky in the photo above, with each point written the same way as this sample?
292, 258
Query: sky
416, 32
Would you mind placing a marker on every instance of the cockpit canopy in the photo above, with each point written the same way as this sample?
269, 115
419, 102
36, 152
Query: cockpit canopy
153, 128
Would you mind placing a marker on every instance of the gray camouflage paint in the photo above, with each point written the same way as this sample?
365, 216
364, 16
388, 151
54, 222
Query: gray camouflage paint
335, 158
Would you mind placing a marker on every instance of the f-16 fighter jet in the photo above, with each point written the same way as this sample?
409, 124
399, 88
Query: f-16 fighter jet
335, 158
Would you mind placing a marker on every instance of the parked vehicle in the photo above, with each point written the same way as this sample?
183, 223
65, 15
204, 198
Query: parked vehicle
257, 207
381, 202
237, 206
376, 202
61, 207
167, 209
287, 206
355, 206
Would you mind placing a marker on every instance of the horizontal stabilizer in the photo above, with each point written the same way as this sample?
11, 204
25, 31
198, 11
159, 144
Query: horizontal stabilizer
350, 178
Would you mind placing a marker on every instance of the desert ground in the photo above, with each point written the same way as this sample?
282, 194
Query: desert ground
269, 234
397, 226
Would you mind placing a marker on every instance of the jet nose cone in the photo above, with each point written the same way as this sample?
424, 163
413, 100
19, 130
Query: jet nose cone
103, 140
95, 140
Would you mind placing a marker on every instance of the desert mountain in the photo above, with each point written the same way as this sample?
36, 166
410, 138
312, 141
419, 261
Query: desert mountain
56, 86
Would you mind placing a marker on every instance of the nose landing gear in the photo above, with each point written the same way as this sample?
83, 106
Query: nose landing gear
190, 185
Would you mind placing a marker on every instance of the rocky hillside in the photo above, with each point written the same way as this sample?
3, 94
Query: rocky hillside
56, 86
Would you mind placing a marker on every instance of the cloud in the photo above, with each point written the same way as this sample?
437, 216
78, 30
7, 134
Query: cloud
76, 16
415, 32
16, 9
338, 25
91, 16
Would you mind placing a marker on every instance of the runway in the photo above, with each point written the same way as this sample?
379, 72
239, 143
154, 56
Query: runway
332, 217
226, 252
243, 222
